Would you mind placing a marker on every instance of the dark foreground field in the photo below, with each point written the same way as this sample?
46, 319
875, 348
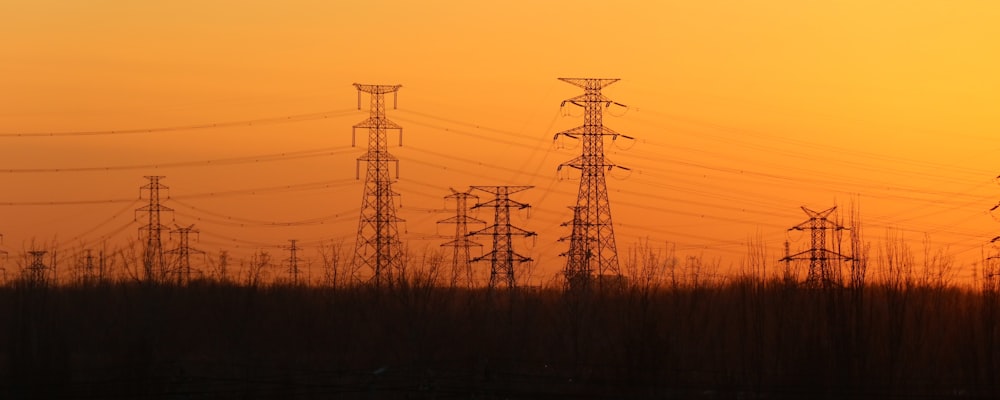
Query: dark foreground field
745, 339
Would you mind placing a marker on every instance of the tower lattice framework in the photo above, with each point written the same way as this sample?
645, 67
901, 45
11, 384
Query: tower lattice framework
378, 247
461, 260
592, 245
183, 252
820, 273
37, 273
153, 261
503, 256
293, 261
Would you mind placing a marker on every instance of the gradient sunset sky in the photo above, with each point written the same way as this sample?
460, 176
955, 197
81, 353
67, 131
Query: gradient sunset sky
742, 112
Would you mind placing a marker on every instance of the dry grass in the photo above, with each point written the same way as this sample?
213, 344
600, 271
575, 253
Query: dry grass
659, 336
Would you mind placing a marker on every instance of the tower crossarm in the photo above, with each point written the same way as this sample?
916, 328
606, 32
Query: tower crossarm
377, 89
582, 130
590, 83
502, 230
817, 254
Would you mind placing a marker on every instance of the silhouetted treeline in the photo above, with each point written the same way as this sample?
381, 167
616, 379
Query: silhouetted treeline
749, 338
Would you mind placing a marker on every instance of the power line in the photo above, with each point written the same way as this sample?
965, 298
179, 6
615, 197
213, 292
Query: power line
273, 157
259, 121
242, 221
225, 193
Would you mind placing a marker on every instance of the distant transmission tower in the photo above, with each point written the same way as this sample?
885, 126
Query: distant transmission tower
578, 270
3, 253
224, 265
461, 258
90, 275
183, 252
37, 273
502, 257
820, 257
378, 246
293, 261
592, 236
154, 264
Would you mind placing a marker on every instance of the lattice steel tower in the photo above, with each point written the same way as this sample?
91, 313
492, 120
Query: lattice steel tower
378, 245
37, 273
154, 264
461, 260
592, 238
818, 224
183, 252
293, 261
578, 272
502, 257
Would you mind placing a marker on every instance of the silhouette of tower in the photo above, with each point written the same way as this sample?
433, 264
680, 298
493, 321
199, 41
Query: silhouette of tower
592, 236
293, 261
461, 258
502, 257
3, 253
90, 273
183, 252
37, 273
224, 265
820, 272
578, 270
154, 264
378, 246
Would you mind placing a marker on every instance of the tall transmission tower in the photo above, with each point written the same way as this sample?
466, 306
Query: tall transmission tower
293, 261
183, 252
154, 264
461, 260
592, 237
502, 257
820, 257
378, 246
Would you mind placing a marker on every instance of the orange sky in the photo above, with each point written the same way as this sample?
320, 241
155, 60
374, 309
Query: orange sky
743, 112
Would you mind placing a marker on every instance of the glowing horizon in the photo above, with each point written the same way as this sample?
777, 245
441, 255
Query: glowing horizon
741, 114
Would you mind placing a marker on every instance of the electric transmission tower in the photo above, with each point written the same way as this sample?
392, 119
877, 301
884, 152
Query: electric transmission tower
91, 272
293, 261
592, 236
578, 270
224, 265
502, 257
3, 270
153, 262
820, 273
37, 273
378, 245
461, 260
183, 252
